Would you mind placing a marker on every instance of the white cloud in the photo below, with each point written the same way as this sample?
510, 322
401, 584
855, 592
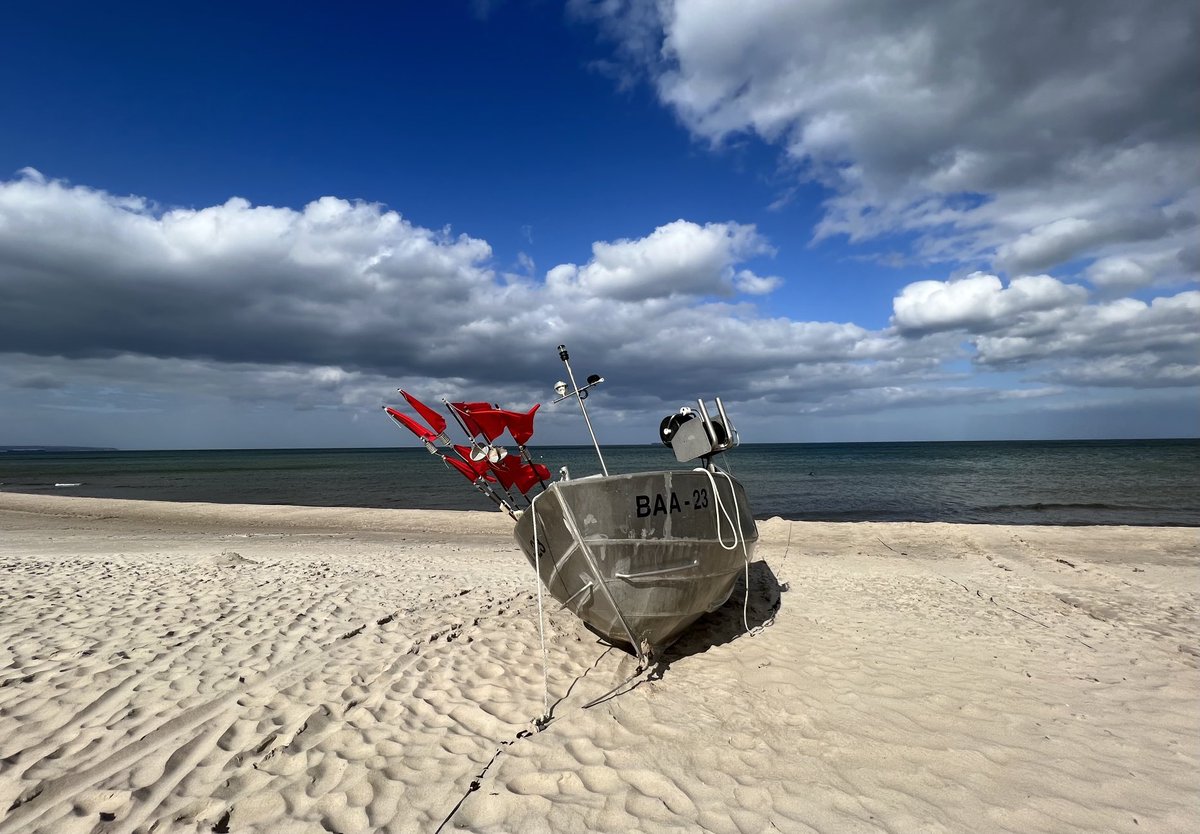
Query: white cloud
334, 305
341, 293
980, 303
1020, 134
1119, 272
1061, 240
109, 301
1142, 370
1048, 328
751, 284
678, 259
337, 283
1160, 337
1123, 273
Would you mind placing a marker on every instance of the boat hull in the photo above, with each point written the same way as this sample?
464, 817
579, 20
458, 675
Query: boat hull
640, 557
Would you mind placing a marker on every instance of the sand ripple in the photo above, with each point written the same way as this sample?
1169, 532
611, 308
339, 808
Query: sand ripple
279, 669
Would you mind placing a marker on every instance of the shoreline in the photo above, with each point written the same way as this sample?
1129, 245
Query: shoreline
308, 513
281, 516
280, 668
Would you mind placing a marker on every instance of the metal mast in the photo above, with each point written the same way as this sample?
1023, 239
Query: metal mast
580, 395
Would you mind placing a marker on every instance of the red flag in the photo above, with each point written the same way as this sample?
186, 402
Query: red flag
480, 466
530, 475
493, 421
436, 421
410, 424
467, 472
506, 471
464, 411
512, 472
520, 426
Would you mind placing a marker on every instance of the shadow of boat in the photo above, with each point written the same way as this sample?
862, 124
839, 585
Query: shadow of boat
727, 623
724, 625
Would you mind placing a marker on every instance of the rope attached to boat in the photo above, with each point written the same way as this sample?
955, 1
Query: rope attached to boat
738, 538
537, 569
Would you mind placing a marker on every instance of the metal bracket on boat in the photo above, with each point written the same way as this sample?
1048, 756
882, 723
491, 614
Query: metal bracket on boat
560, 388
586, 588
659, 572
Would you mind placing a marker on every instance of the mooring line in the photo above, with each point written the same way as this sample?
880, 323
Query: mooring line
540, 724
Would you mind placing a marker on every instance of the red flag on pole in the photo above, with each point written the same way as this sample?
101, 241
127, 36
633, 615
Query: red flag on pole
436, 421
467, 472
542, 472
529, 476
410, 424
513, 472
506, 471
493, 421
480, 466
464, 411
520, 426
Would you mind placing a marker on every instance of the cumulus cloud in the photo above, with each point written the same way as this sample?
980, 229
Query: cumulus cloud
1161, 337
981, 303
1136, 269
1061, 240
341, 294
751, 284
1055, 331
680, 258
88, 273
112, 302
1020, 134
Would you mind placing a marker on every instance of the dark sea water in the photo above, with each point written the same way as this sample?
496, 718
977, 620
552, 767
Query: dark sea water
1145, 482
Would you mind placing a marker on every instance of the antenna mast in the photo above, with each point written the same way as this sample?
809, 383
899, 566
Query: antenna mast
581, 395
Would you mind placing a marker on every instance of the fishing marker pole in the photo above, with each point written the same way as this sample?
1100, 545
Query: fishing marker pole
480, 483
483, 449
429, 438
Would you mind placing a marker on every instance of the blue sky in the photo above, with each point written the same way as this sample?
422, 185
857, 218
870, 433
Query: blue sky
246, 225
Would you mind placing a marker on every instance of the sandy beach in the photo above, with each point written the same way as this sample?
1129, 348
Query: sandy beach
210, 668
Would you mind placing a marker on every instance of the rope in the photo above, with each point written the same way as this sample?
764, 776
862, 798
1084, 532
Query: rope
719, 509
537, 569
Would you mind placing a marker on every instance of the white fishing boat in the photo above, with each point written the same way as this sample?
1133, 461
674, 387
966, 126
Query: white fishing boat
638, 557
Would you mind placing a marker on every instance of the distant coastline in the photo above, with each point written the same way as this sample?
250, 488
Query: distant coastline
25, 450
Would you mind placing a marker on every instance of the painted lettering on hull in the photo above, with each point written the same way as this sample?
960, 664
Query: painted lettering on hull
659, 504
